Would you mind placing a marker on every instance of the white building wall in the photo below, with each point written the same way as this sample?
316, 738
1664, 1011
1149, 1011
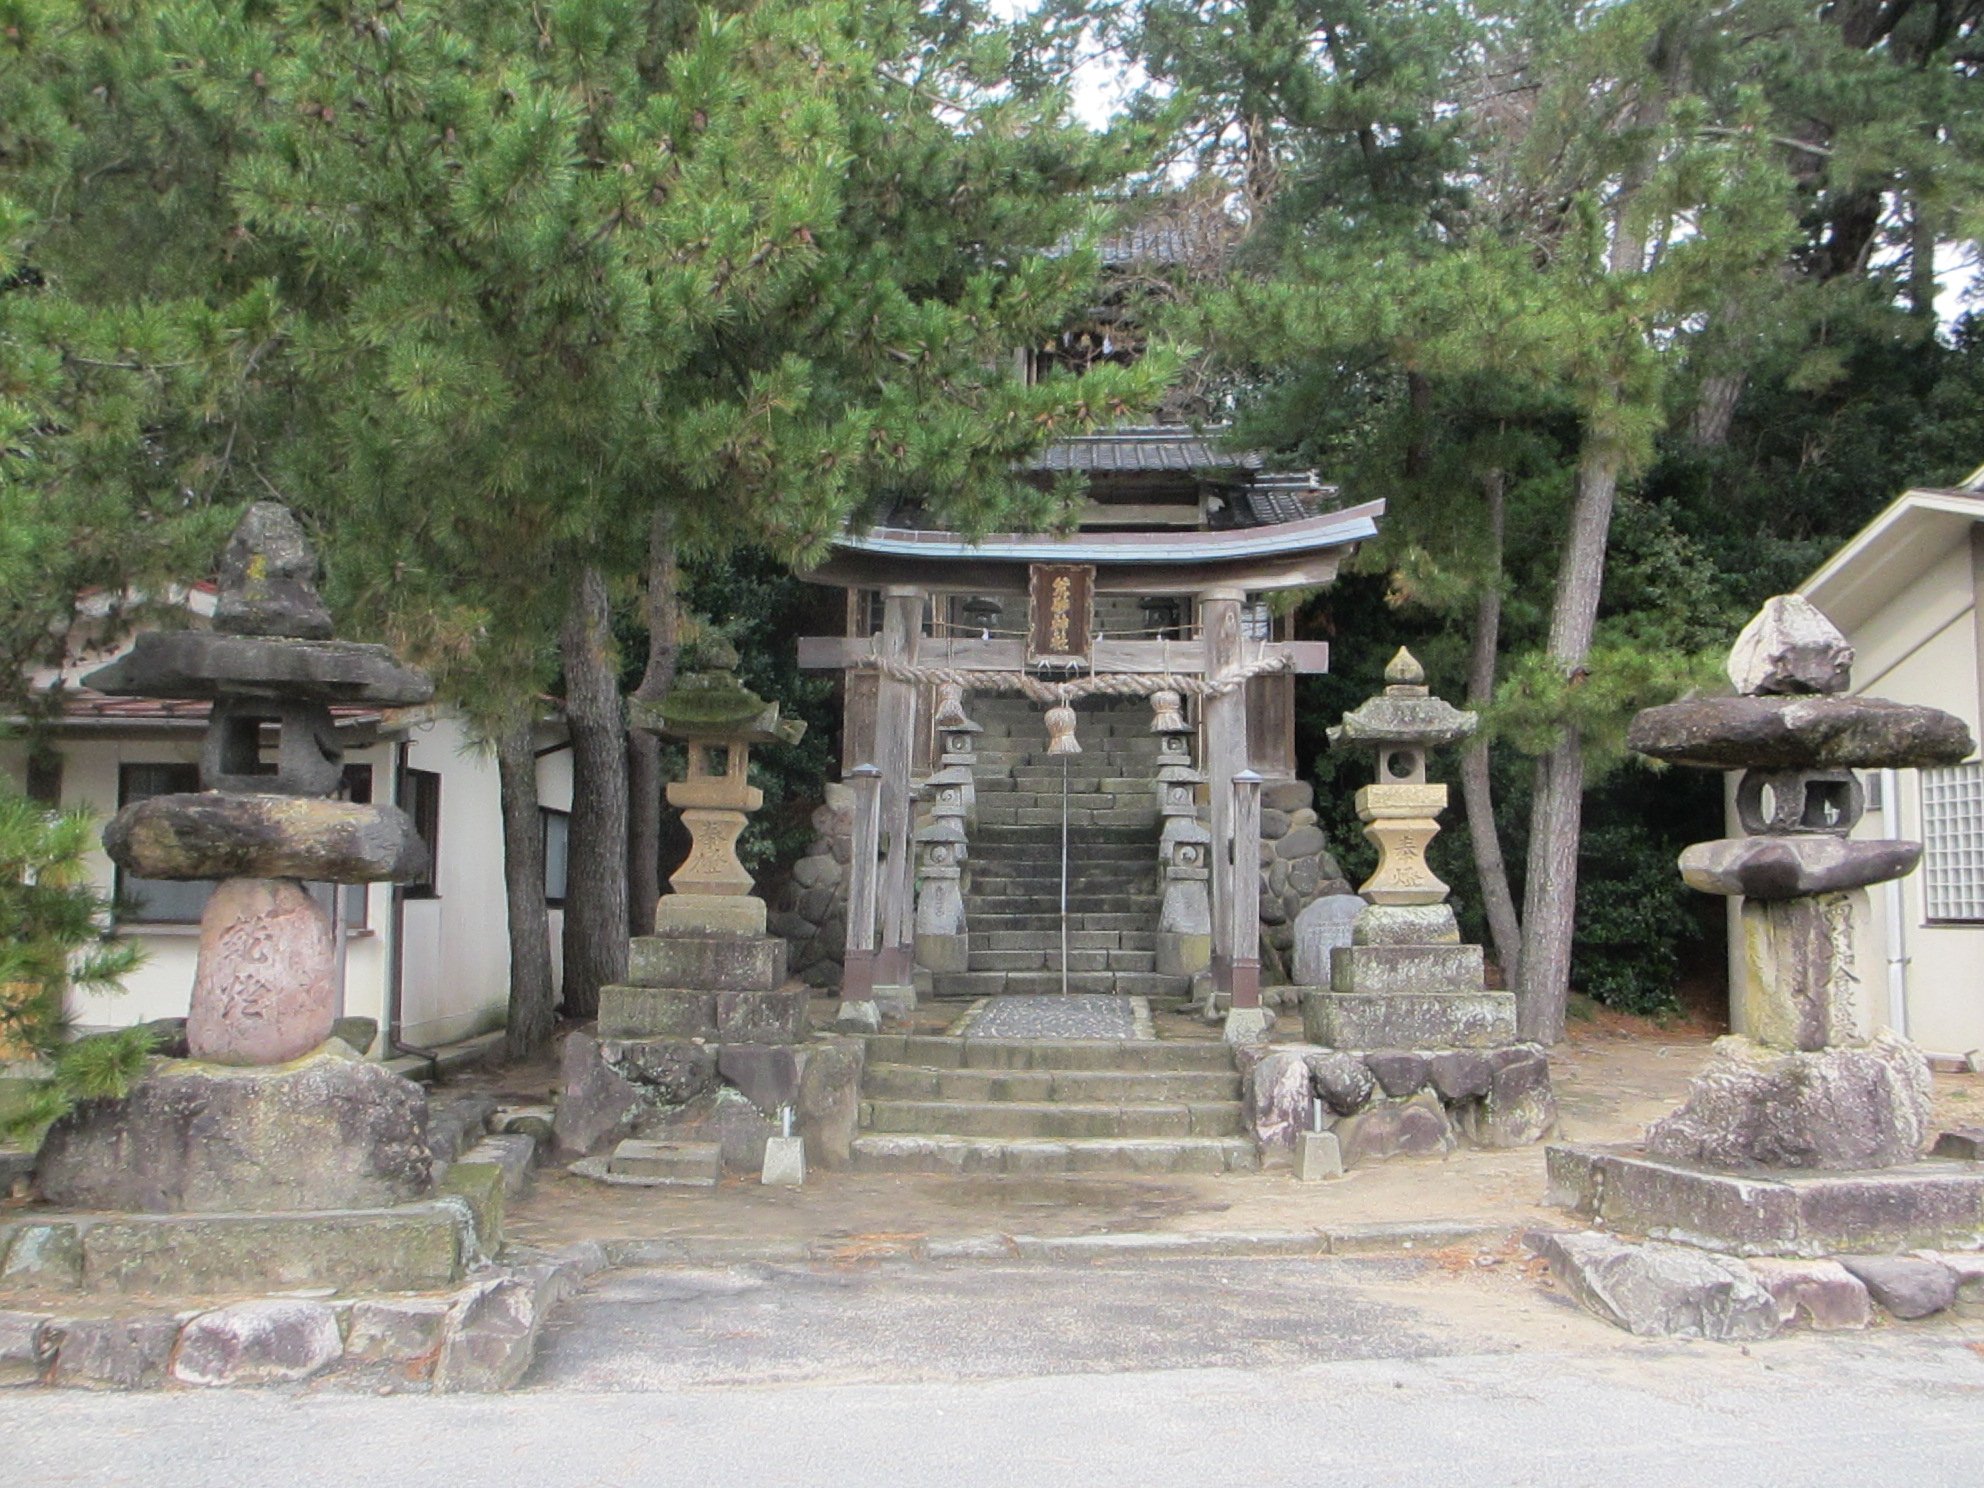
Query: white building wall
1922, 648
455, 980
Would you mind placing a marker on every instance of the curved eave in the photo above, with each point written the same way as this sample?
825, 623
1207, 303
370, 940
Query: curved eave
1260, 557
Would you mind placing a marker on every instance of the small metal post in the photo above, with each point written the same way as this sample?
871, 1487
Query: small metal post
1064, 875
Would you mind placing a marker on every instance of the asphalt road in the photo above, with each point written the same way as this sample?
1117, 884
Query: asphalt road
1150, 1374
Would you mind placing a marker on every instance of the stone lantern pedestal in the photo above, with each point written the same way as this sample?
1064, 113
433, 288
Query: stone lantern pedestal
1804, 1134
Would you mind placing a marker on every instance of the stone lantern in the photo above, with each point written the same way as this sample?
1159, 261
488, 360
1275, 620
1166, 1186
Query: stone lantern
1405, 980
1401, 809
709, 971
270, 1113
264, 991
1803, 1086
1803, 1135
717, 719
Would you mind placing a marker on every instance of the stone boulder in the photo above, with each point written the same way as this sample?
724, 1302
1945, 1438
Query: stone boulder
1342, 1081
1280, 1101
1789, 646
263, 1342
1660, 1291
1909, 1287
116, 1353
1755, 1106
830, 1100
597, 1104
1821, 1295
1319, 930
265, 989
1519, 1106
329, 1131
1389, 1129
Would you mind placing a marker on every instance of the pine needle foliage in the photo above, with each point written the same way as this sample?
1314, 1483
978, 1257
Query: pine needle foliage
52, 941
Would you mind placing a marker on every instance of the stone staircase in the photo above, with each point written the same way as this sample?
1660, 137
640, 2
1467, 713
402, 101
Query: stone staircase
973, 1105
1012, 902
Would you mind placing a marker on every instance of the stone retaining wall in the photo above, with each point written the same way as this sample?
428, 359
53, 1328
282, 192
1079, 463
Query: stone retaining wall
1659, 1290
1296, 870
478, 1337
1386, 1103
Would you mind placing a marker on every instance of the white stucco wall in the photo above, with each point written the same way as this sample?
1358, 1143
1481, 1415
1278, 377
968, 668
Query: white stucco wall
456, 963
1921, 647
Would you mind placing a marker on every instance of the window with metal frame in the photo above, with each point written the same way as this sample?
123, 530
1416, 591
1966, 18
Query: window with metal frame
557, 840
158, 901
420, 798
1953, 843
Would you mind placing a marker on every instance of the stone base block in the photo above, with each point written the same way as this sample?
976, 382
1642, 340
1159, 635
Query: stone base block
328, 1131
1930, 1204
1757, 1106
714, 963
709, 914
943, 952
656, 1012
1181, 954
741, 1017
1413, 970
1318, 1155
785, 1162
684, 1164
414, 1247
1449, 1020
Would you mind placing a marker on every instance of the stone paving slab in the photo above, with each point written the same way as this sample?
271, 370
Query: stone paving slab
1077, 1015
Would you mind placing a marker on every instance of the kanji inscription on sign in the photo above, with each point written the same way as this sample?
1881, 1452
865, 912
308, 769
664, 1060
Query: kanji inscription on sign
1060, 611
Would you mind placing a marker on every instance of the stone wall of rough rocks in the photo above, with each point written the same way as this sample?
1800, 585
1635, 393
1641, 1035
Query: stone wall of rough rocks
1296, 870
1386, 1103
808, 907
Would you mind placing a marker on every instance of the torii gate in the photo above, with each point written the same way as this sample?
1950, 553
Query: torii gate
1219, 570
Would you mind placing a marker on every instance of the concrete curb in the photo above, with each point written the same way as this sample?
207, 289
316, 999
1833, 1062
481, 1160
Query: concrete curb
1343, 1240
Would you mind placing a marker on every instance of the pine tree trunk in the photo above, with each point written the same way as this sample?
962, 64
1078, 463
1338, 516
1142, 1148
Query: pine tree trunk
532, 993
1550, 880
1715, 410
596, 873
644, 780
1491, 870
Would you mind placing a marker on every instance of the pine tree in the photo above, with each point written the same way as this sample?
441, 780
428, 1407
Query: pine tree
1511, 248
543, 272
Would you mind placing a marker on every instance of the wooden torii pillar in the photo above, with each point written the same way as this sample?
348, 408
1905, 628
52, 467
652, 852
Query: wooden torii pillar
895, 728
1225, 717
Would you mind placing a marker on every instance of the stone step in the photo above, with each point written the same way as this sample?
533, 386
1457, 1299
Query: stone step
1007, 832
911, 1082
1034, 856
1079, 940
994, 814
1046, 900
1053, 1121
885, 1152
974, 984
1038, 923
1048, 958
673, 1164
1117, 1056
1046, 887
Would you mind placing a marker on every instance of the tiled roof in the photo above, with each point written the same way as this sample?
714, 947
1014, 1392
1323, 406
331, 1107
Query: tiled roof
1151, 447
84, 705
